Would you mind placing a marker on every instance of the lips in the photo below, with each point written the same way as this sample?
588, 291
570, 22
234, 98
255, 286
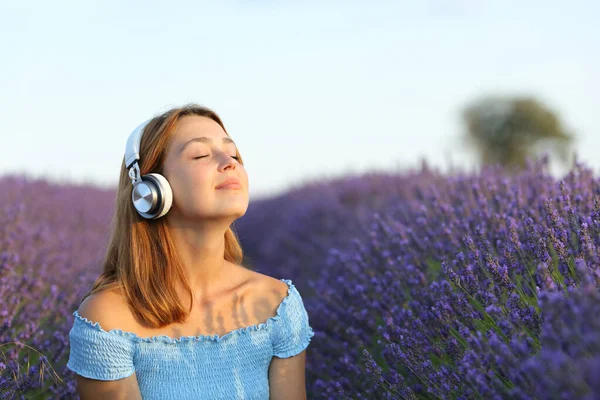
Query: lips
229, 184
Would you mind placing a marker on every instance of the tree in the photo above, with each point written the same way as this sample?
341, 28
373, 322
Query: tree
509, 130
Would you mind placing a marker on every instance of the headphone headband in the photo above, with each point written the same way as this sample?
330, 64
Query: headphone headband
132, 149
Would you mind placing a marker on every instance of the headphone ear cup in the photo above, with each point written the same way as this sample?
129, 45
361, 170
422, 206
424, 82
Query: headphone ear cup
166, 194
152, 197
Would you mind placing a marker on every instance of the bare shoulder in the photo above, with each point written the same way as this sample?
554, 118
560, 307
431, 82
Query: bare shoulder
107, 308
260, 283
274, 288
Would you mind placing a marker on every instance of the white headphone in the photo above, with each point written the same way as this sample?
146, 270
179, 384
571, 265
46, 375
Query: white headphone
151, 195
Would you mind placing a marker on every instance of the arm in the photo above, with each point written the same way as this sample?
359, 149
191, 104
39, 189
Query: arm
287, 378
122, 389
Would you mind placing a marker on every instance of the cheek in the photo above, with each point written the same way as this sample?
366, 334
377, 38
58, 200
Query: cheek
244, 173
188, 181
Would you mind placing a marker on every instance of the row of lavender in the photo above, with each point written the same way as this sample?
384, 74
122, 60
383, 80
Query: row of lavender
462, 287
418, 286
52, 238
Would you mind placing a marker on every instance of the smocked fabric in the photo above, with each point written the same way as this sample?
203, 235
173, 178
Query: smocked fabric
232, 366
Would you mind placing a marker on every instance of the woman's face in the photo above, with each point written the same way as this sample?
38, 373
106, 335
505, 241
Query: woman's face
194, 180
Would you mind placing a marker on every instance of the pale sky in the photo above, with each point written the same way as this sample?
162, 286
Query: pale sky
307, 89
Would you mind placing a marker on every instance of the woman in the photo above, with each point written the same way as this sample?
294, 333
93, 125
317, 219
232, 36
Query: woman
174, 313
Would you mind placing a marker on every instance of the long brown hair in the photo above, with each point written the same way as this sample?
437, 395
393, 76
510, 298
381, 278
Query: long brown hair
141, 261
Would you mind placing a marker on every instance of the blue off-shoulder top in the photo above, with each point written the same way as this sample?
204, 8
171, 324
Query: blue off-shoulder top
232, 366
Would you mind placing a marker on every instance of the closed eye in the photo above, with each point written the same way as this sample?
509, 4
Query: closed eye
237, 158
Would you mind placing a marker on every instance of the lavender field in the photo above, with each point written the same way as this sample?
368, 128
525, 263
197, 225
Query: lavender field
418, 286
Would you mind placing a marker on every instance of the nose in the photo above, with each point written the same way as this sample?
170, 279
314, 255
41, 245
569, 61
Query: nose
229, 162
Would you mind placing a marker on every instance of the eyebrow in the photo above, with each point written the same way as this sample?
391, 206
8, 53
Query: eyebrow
204, 139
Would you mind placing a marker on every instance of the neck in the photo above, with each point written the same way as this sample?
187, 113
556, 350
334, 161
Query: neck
202, 254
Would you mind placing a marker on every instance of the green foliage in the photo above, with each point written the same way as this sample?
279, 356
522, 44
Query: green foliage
509, 130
